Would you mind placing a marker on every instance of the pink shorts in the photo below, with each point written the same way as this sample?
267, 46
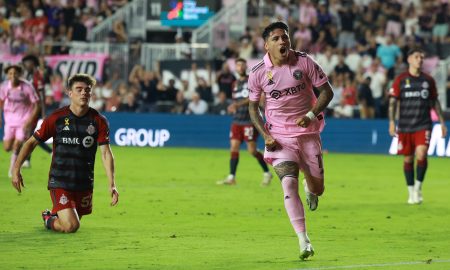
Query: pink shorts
17, 133
305, 150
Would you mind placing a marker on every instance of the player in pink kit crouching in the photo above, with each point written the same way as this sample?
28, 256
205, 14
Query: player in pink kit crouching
294, 120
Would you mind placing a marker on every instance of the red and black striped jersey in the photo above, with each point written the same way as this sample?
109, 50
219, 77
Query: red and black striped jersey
75, 142
240, 92
415, 95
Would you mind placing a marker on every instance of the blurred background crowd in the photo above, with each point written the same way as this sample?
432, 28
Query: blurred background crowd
360, 44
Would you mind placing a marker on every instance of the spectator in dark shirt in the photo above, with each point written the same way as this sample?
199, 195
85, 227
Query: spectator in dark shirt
149, 93
225, 80
221, 107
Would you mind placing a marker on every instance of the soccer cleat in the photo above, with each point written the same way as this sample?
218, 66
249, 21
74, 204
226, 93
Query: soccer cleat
306, 252
267, 178
312, 200
26, 164
46, 215
229, 181
411, 201
417, 196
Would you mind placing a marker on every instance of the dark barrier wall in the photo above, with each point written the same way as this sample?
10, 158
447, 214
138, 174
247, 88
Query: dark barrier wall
161, 130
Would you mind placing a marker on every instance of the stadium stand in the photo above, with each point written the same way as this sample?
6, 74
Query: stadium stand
143, 66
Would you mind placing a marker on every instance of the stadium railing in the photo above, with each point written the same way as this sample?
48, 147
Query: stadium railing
134, 15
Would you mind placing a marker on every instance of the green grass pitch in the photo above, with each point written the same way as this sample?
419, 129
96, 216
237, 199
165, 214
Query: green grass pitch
172, 215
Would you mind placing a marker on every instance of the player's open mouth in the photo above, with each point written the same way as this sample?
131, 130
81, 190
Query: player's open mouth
283, 50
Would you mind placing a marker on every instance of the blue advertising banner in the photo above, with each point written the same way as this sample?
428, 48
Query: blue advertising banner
211, 131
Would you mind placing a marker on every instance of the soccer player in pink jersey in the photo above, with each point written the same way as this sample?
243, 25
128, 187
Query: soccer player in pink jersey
19, 103
294, 120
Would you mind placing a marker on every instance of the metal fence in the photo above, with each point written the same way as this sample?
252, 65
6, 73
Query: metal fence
134, 15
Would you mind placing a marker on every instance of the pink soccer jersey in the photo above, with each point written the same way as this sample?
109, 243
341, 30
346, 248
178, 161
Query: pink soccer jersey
289, 93
17, 102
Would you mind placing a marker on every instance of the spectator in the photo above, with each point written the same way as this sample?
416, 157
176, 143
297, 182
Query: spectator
96, 102
346, 35
204, 90
221, 107
302, 38
4, 23
180, 104
130, 104
113, 103
197, 105
148, 90
365, 99
225, 80
377, 76
441, 21
183, 49
348, 100
388, 55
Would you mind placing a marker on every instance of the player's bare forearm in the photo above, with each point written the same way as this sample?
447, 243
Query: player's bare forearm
392, 109
325, 96
437, 107
108, 163
255, 116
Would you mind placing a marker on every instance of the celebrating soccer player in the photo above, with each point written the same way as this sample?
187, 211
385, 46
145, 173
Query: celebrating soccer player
19, 102
294, 120
76, 130
242, 128
414, 93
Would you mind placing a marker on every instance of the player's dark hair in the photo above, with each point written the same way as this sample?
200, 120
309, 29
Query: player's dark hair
240, 59
81, 77
18, 68
415, 49
273, 26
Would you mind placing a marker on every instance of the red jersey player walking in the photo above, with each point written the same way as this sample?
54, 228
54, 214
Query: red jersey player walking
76, 131
242, 128
414, 92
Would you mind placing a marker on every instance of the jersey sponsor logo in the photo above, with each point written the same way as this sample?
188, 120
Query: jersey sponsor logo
63, 200
74, 140
276, 94
424, 93
88, 141
298, 75
90, 129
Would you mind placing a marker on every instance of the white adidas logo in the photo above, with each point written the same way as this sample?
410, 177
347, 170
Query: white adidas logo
66, 128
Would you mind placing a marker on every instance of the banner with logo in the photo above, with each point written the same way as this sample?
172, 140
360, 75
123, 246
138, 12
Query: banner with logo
68, 65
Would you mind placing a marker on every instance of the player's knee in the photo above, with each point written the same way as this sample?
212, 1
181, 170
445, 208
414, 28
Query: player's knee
71, 227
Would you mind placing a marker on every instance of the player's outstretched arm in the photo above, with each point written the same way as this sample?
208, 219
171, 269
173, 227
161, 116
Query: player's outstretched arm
108, 164
27, 149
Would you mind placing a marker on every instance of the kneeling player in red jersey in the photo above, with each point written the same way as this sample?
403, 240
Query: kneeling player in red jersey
76, 130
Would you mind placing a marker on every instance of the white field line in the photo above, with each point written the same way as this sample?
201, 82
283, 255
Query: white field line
373, 265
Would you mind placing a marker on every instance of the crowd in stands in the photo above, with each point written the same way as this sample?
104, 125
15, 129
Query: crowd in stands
361, 45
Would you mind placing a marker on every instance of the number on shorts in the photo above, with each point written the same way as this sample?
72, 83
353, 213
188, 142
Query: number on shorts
86, 202
248, 132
